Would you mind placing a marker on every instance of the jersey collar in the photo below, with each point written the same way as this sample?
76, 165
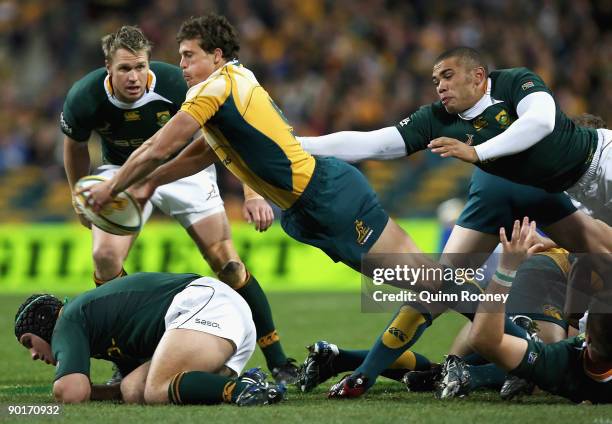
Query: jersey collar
149, 95
218, 71
485, 101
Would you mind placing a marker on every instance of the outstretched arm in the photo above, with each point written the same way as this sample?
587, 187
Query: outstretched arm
354, 146
193, 159
151, 154
487, 333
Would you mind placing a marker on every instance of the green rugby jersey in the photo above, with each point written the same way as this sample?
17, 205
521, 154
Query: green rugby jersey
559, 368
121, 321
555, 163
91, 106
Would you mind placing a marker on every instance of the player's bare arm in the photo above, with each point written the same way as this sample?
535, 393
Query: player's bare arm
72, 388
144, 160
487, 333
256, 209
193, 159
76, 165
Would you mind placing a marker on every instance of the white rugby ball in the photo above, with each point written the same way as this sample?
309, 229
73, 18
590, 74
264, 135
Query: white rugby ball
123, 216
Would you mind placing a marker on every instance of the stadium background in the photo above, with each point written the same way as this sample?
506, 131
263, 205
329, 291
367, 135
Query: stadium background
330, 65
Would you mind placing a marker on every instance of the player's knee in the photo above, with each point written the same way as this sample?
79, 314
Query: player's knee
155, 394
233, 274
105, 257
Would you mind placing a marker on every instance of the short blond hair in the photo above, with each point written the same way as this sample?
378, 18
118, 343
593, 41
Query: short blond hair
127, 37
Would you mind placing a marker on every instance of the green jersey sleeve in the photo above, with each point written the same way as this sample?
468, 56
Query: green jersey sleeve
77, 120
416, 130
70, 346
548, 365
516, 83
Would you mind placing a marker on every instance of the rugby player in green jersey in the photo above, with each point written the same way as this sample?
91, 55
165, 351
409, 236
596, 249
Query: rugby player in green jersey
579, 368
177, 338
493, 202
536, 302
125, 103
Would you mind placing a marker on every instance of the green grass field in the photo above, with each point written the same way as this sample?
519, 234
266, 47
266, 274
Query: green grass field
301, 318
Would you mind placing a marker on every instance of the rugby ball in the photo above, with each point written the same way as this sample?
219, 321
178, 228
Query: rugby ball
123, 216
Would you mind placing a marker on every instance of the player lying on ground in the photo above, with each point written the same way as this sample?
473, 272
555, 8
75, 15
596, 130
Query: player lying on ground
578, 368
388, 348
176, 338
538, 293
536, 302
126, 102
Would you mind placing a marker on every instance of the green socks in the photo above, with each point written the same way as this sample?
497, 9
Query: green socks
203, 388
267, 337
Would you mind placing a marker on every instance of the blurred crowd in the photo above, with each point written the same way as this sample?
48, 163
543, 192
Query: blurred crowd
330, 64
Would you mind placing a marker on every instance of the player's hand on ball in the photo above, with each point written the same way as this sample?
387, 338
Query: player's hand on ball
97, 195
521, 246
257, 211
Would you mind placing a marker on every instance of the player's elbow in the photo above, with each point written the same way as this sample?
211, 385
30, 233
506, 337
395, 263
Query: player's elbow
546, 125
481, 341
71, 393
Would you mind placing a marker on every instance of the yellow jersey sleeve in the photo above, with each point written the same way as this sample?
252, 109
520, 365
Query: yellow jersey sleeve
203, 100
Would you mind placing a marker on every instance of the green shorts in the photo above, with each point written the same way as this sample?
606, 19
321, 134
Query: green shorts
494, 202
538, 291
338, 212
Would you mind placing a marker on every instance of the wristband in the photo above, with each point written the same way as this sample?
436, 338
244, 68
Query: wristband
501, 282
504, 277
508, 272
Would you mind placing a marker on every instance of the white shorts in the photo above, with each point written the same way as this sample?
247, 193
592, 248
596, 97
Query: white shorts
212, 307
594, 189
187, 200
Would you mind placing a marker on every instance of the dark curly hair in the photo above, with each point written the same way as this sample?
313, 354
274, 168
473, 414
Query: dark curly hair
38, 315
212, 31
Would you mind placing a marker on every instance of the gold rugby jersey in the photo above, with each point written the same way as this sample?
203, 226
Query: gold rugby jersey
249, 134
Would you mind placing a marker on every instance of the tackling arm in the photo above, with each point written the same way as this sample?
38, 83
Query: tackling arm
354, 146
536, 119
